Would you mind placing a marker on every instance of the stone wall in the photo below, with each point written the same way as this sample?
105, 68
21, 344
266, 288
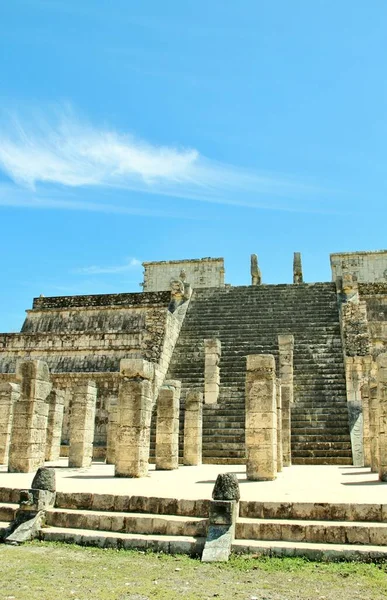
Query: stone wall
93, 337
374, 295
200, 273
366, 266
85, 337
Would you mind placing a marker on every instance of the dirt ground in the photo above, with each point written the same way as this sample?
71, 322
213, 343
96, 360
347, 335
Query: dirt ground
44, 571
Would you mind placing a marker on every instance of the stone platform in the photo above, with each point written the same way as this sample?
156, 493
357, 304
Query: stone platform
322, 512
299, 483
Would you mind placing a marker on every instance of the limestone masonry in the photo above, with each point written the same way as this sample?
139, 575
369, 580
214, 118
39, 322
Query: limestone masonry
194, 370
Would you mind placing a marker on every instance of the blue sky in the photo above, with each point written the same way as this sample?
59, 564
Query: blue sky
151, 130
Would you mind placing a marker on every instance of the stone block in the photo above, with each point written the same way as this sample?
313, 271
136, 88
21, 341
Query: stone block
136, 368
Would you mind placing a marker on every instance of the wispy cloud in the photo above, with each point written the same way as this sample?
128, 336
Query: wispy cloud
67, 152
130, 265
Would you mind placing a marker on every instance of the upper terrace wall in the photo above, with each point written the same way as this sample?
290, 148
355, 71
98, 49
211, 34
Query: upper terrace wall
375, 297
89, 333
368, 267
200, 273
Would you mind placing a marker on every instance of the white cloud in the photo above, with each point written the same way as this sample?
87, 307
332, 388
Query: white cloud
130, 265
64, 151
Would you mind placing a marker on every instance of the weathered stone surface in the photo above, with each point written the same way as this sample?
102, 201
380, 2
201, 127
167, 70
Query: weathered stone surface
82, 418
9, 394
212, 353
193, 424
44, 479
226, 487
29, 424
167, 427
261, 441
135, 401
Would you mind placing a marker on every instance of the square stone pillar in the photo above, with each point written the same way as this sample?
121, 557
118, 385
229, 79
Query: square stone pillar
212, 352
261, 418
9, 394
167, 426
280, 458
365, 400
29, 427
135, 401
112, 431
193, 427
54, 424
374, 424
286, 346
381, 362
82, 418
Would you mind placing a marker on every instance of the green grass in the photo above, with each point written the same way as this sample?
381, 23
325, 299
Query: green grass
44, 571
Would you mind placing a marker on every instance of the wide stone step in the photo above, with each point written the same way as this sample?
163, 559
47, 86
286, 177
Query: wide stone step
312, 445
8, 511
312, 551
3, 527
324, 532
325, 460
306, 439
105, 539
127, 522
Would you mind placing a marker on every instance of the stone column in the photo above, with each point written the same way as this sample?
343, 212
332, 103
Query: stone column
112, 431
286, 346
297, 268
167, 426
135, 400
82, 418
261, 418
280, 458
9, 394
54, 424
29, 427
374, 425
256, 277
212, 351
381, 362
193, 425
365, 397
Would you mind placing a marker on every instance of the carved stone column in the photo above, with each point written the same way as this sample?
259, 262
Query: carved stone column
286, 346
54, 424
9, 394
193, 426
297, 268
82, 419
29, 426
135, 401
112, 430
365, 400
167, 426
374, 425
256, 276
261, 418
212, 351
382, 401
280, 458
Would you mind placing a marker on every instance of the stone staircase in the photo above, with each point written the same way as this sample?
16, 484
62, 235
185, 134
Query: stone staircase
248, 320
318, 531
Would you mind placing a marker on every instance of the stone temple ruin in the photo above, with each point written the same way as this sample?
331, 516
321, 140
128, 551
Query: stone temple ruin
194, 370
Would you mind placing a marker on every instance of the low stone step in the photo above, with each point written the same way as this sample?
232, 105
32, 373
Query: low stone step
298, 447
324, 532
127, 522
105, 539
312, 551
325, 460
302, 439
8, 511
